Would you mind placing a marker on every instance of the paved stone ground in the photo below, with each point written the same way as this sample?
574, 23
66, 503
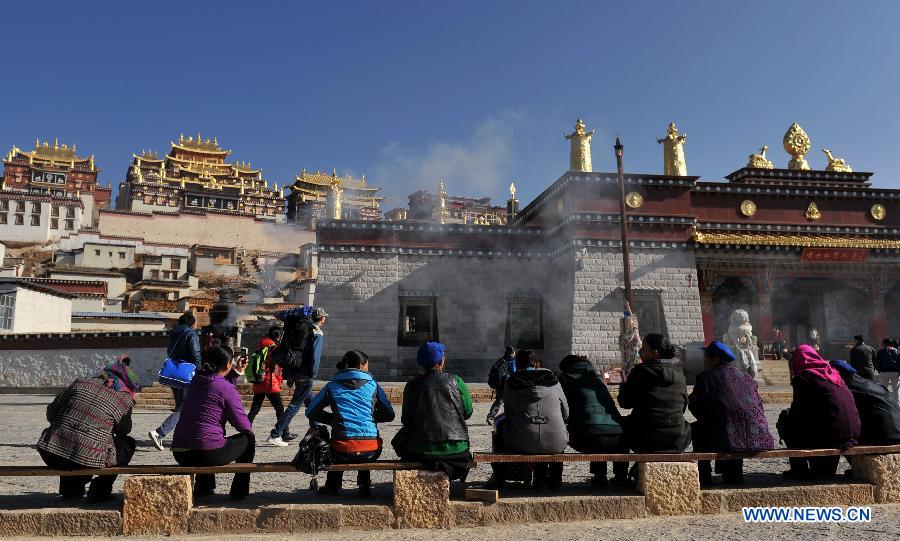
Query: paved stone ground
24, 417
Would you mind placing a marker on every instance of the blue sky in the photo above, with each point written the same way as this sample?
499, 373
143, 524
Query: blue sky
478, 93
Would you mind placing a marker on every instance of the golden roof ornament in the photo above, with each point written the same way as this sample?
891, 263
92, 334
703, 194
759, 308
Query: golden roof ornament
674, 164
512, 191
878, 211
759, 161
796, 143
812, 212
580, 151
838, 165
748, 208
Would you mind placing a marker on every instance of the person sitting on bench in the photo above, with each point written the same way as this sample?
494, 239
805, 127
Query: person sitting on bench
729, 412
211, 401
656, 393
533, 421
595, 424
357, 403
822, 415
436, 405
879, 414
89, 425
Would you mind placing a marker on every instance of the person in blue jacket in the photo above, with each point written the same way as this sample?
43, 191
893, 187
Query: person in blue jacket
357, 403
184, 347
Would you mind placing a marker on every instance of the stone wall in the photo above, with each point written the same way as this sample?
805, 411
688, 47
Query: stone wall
56, 360
208, 229
597, 307
362, 293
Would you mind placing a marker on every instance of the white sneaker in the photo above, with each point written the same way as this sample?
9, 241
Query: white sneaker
156, 439
277, 442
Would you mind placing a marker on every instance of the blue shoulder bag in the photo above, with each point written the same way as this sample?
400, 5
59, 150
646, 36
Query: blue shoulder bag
176, 373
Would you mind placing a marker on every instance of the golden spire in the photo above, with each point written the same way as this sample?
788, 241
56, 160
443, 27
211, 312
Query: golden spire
580, 151
512, 190
797, 144
674, 164
55, 143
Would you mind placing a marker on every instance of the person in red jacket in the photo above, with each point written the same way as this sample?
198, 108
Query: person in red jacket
270, 386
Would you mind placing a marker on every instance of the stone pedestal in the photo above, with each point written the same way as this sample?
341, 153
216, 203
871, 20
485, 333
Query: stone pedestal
422, 499
157, 504
670, 488
883, 471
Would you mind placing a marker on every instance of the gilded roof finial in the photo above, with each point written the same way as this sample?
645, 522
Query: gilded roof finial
759, 161
334, 171
797, 144
37, 143
674, 164
512, 190
56, 142
580, 151
838, 165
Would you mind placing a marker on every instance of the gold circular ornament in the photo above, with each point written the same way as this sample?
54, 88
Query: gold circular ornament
634, 200
878, 211
748, 208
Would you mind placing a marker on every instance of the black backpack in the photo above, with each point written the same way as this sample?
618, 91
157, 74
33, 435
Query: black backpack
298, 332
315, 451
498, 374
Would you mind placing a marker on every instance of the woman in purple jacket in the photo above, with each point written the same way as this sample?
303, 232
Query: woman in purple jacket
199, 438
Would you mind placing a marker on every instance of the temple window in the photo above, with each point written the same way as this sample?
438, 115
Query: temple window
54, 210
648, 308
54, 223
7, 308
3, 219
418, 321
20, 206
525, 323
35, 219
70, 225
70, 212
36, 207
20, 219
175, 264
4, 205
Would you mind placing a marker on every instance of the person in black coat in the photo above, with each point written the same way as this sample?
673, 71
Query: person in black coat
656, 393
822, 415
879, 414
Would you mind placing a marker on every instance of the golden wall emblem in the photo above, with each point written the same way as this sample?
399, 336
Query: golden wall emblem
878, 211
634, 200
748, 208
812, 212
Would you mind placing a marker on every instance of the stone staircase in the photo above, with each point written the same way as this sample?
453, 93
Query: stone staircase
776, 372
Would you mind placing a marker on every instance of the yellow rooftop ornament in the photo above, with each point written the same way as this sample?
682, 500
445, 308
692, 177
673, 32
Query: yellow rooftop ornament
838, 165
674, 164
759, 161
580, 152
796, 143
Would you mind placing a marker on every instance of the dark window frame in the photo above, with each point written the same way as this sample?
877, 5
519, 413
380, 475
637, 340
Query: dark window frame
641, 298
514, 338
414, 339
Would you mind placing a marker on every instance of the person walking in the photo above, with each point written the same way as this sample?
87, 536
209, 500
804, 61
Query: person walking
887, 362
89, 425
301, 348
357, 403
184, 347
271, 379
199, 439
862, 358
500, 372
436, 405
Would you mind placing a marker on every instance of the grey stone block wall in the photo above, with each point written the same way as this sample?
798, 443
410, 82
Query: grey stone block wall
59, 367
597, 305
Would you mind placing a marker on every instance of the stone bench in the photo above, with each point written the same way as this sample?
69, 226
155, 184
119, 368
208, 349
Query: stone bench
670, 482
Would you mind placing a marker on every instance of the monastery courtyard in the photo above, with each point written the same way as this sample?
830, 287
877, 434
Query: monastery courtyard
25, 418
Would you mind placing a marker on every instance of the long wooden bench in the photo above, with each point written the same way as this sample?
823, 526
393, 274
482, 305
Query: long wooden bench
265, 467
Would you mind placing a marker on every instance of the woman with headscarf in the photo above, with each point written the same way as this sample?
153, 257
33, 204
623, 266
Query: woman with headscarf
89, 425
822, 415
656, 393
729, 412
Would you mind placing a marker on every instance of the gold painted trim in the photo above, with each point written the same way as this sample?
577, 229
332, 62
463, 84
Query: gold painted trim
745, 239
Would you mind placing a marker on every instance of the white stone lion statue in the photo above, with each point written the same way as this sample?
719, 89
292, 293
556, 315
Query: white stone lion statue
742, 342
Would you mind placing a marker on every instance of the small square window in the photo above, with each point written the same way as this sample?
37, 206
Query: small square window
97, 253
20, 219
648, 308
418, 321
36, 207
525, 323
154, 274
35, 219
121, 255
175, 264
54, 210
54, 223
70, 212
3, 218
20, 206
4, 205
70, 225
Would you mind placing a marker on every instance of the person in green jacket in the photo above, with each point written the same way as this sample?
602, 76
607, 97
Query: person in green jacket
595, 424
436, 405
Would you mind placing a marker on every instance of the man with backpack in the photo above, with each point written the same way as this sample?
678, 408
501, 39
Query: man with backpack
299, 355
266, 377
184, 347
500, 372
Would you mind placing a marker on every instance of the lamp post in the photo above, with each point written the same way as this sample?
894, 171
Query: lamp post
626, 260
